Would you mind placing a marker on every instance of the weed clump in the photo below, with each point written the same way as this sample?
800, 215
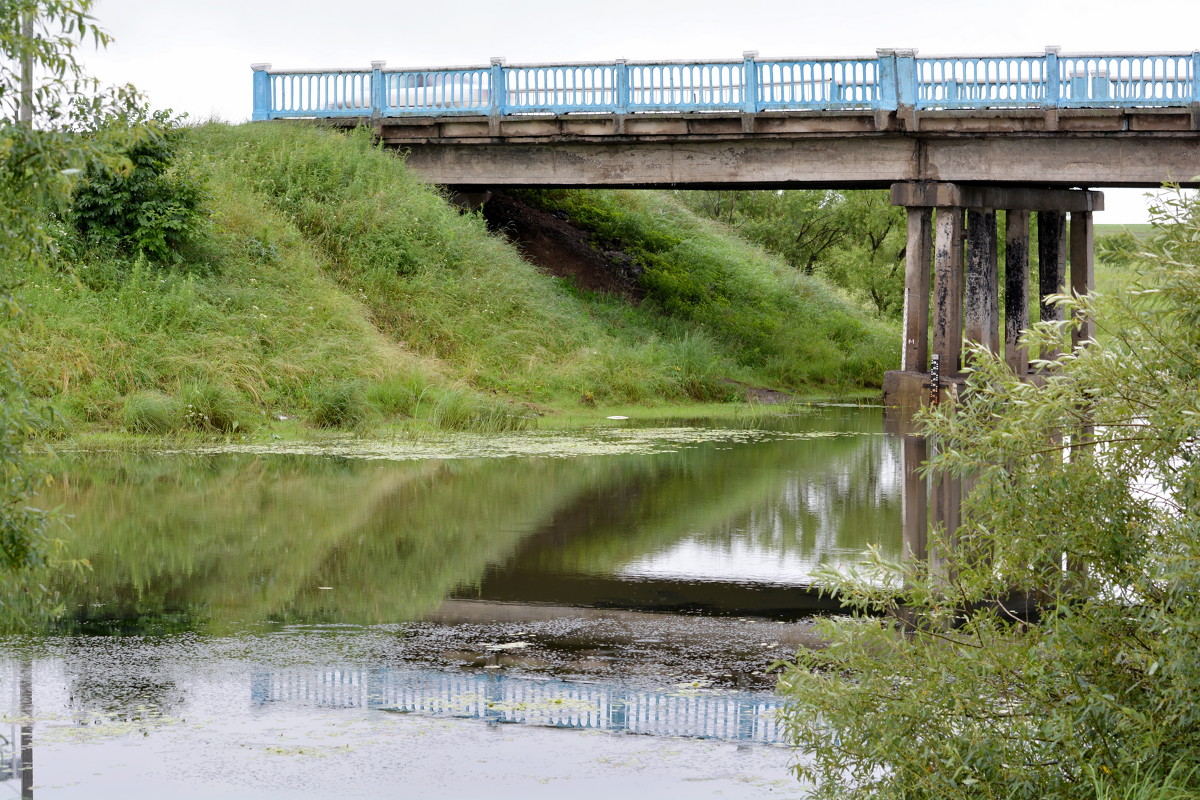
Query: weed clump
151, 412
339, 405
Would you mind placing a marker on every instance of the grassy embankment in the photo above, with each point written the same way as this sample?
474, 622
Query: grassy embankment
334, 288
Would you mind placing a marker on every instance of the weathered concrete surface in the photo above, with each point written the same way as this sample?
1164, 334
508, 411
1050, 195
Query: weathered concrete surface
918, 251
1142, 147
1016, 290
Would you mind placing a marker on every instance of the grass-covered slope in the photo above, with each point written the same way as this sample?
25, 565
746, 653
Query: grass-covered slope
334, 286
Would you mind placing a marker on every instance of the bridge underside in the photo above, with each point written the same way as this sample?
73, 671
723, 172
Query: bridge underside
1062, 148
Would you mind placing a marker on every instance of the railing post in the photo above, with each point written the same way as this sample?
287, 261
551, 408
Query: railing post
906, 87
378, 90
499, 90
1053, 82
749, 82
1196, 89
886, 75
498, 96
621, 93
262, 92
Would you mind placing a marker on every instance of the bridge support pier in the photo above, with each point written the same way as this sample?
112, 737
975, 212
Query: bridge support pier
965, 272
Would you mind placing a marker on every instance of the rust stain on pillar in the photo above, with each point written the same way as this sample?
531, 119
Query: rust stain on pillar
982, 312
1016, 289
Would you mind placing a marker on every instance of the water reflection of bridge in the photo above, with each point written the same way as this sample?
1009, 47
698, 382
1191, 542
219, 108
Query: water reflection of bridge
499, 698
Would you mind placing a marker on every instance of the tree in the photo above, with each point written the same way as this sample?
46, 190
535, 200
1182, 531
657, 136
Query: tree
44, 97
854, 239
1086, 498
870, 259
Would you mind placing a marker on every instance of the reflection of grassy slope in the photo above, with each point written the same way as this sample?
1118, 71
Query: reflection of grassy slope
794, 498
236, 539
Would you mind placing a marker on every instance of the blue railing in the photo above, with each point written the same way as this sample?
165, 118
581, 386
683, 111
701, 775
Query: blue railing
892, 81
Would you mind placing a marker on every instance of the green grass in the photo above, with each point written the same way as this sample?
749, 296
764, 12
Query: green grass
337, 289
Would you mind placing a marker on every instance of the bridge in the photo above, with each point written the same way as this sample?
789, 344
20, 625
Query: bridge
1046, 119
957, 138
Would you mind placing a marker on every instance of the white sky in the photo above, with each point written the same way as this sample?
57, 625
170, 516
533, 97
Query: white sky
194, 56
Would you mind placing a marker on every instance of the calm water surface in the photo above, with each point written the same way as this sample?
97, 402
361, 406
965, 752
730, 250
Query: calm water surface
303, 624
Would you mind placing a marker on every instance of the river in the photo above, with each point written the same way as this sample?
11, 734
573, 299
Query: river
586, 612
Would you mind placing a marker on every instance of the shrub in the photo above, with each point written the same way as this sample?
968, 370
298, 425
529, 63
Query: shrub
154, 206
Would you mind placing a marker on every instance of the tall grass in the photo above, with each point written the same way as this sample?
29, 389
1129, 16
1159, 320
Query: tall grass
339, 289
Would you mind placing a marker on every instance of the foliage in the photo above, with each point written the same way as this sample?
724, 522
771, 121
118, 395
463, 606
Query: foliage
151, 204
800, 225
1085, 501
791, 327
855, 239
1119, 249
23, 536
38, 154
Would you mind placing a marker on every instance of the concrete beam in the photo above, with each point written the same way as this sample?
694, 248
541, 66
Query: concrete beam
840, 160
1025, 198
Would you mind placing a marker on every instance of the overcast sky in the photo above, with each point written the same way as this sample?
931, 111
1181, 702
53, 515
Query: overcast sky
194, 56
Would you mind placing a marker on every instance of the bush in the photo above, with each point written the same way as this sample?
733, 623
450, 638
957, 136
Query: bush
154, 204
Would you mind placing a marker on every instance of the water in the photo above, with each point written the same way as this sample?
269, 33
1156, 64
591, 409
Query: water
284, 624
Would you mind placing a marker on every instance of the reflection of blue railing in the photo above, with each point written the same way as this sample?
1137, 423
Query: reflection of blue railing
893, 80
492, 696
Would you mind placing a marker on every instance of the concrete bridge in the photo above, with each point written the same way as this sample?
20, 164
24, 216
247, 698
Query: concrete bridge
957, 138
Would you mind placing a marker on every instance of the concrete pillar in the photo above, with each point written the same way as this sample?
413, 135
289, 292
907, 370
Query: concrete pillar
1016, 289
916, 290
1052, 263
982, 289
1083, 269
948, 289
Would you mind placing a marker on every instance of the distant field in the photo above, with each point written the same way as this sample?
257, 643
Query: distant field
1138, 229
